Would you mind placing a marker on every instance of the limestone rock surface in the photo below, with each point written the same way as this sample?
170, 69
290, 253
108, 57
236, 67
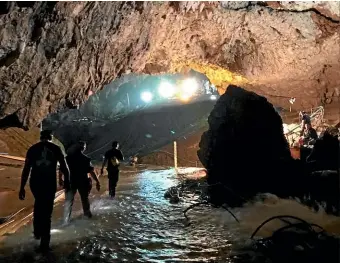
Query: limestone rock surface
54, 54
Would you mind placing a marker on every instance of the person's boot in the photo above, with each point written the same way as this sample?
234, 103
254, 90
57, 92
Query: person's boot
113, 193
88, 214
37, 236
44, 245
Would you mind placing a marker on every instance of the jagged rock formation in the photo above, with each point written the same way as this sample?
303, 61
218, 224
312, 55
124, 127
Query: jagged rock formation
54, 53
245, 151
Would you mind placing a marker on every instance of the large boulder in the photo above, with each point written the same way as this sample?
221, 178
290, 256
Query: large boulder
245, 151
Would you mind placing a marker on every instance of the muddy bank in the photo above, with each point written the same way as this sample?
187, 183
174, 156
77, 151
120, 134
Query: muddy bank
10, 183
15, 141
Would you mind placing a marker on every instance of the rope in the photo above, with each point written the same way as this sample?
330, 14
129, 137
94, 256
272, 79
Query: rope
184, 159
124, 141
99, 148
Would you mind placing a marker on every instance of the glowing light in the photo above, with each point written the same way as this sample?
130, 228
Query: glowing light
213, 97
184, 97
146, 96
166, 89
189, 86
54, 231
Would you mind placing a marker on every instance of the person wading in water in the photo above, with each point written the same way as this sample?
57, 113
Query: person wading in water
113, 158
41, 165
80, 166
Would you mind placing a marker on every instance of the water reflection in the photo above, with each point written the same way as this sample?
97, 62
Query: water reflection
141, 226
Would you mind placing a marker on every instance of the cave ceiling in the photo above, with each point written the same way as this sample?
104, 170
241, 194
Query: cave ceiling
52, 53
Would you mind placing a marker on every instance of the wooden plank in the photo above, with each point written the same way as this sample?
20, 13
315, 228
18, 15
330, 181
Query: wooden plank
14, 225
17, 158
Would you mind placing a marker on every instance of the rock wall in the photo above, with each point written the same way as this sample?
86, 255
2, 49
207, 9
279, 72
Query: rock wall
245, 151
55, 53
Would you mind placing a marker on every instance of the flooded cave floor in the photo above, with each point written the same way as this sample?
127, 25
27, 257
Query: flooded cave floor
141, 225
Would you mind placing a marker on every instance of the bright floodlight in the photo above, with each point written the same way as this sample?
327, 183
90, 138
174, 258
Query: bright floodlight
166, 89
146, 96
189, 86
184, 97
213, 97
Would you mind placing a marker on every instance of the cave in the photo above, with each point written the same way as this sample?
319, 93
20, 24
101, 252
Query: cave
92, 71
142, 112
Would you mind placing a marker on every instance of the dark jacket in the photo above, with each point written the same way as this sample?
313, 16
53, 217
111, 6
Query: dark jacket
80, 165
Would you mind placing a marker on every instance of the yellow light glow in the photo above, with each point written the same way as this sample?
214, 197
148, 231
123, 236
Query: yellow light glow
217, 75
184, 97
187, 89
189, 86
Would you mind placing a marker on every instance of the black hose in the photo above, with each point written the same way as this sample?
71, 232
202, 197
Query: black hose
226, 208
281, 217
209, 204
301, 226
194, 205
320, 227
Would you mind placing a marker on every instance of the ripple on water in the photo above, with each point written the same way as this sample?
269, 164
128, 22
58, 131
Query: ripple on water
141, 226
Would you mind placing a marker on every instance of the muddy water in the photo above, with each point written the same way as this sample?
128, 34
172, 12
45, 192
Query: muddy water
141, 226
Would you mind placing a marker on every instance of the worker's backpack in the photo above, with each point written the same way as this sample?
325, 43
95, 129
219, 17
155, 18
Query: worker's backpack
114, 161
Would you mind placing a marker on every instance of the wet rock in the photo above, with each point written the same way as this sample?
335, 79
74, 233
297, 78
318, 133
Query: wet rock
167, 194
245, 151
173, 194
174, 200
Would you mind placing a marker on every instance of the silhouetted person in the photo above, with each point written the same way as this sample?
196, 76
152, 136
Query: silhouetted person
80, 166
133, 160
113, 158
305, 120
41, 165
310, 135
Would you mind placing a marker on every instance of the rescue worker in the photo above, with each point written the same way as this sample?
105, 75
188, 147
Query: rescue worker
305, 120
133, 160
112, 159
310, 136
41, 165
80, 166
